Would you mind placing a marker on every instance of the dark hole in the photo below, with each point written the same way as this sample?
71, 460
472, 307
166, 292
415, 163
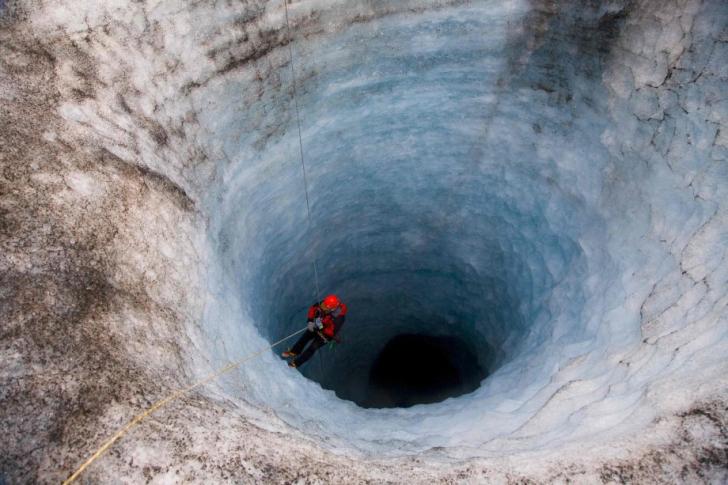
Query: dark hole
421, 369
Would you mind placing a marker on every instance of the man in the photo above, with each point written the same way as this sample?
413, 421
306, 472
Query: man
325, 320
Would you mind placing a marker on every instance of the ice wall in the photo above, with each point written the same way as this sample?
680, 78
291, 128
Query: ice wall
544, 181
462, 186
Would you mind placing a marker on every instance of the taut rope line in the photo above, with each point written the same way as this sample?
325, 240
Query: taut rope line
300, 145
162, 402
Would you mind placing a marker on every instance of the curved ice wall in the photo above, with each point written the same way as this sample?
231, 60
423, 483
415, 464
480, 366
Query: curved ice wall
544, 182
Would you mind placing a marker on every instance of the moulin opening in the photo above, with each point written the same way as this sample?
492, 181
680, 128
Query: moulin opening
437, 239
422, 369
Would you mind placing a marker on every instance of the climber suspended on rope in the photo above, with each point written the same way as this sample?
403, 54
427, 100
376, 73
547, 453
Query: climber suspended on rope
325, 319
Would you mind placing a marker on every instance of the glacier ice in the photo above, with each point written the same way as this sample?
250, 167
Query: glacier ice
444, 203
544, 181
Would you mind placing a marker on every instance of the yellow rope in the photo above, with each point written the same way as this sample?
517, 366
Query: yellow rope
162, 402
232, 365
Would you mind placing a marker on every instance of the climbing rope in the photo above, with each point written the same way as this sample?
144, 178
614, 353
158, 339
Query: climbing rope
162, 402
176, 395
300, 144
303, 163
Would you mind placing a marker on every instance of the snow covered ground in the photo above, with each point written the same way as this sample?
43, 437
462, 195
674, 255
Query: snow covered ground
546, 181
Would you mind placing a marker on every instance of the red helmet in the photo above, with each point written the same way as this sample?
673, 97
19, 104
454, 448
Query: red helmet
331, 302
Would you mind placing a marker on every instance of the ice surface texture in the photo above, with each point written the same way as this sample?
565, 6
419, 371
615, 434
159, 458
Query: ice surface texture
463, 183
544, 181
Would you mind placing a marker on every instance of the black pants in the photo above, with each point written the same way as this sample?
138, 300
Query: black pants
308, 336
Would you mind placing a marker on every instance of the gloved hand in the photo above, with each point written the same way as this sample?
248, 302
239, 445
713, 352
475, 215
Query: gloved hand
311, 326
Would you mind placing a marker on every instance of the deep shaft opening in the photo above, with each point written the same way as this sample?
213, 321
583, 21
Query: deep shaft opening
422, 369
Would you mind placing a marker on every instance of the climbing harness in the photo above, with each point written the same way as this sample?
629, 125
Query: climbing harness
162, 402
